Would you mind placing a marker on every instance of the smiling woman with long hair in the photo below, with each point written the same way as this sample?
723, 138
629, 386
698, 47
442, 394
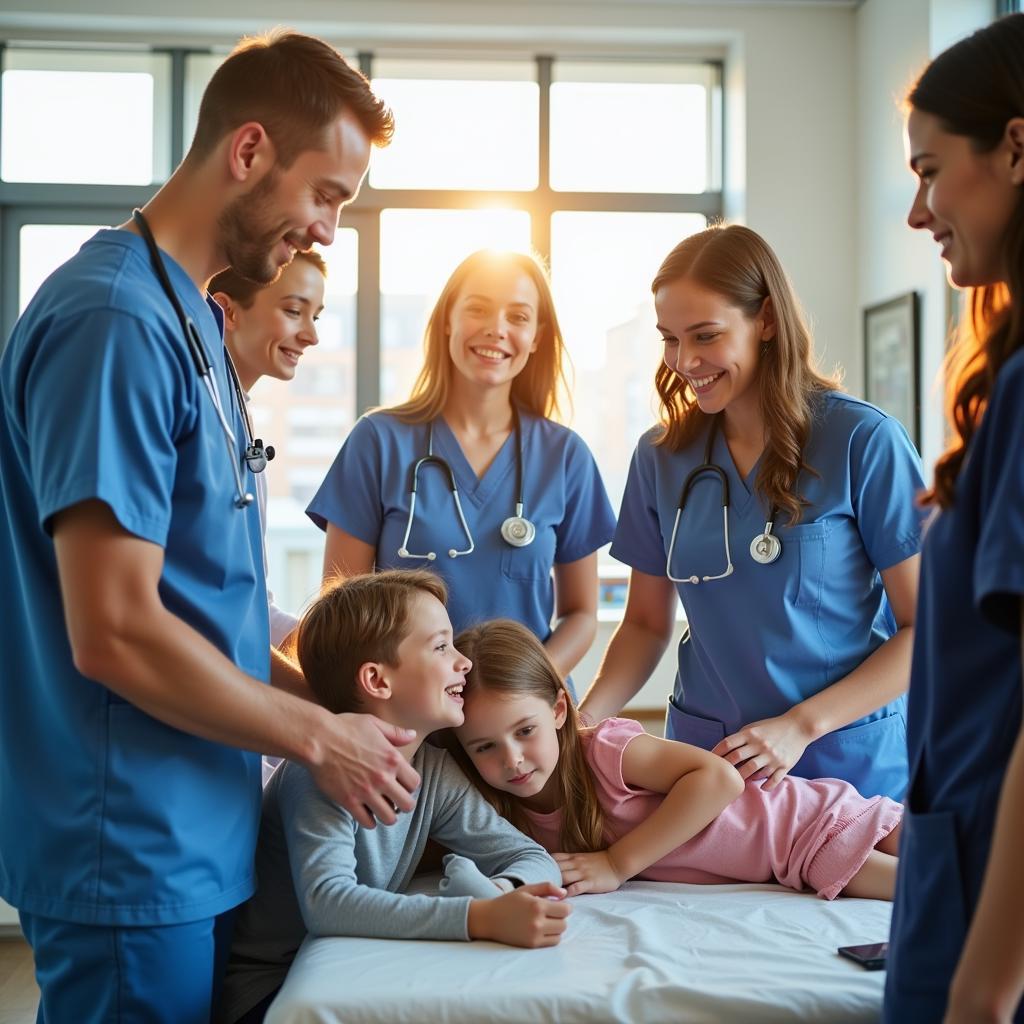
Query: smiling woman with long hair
782, 512
514, 530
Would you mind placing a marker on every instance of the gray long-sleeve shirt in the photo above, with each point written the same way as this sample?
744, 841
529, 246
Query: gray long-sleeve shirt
320, 872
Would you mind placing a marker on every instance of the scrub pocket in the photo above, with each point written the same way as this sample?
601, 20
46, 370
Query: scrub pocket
686, 728
532, 562
871, 756
929, 922
807, 545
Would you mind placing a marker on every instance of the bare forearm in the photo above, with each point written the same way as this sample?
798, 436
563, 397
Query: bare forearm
632, 655
688, 808
878, 680
286, 675
173, 673
571, 639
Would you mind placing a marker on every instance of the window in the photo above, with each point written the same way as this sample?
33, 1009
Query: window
599, 166
43, 248
609, 127
106, 117
462, 126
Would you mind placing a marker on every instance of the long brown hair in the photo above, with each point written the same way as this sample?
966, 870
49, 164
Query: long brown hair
509, 660
975, 88
739, 265
535, 389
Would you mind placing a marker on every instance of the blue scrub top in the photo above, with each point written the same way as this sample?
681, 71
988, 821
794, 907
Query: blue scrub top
965, 706
366, 494
109, 816
769, 636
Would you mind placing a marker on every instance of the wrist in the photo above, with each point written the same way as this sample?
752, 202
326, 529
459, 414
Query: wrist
313, 727
619, 865
807, 722
478, 919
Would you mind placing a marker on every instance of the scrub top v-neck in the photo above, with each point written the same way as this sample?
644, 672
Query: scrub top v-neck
366, 494
769, 636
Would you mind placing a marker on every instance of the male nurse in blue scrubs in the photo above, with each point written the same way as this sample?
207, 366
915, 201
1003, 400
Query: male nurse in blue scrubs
134, 635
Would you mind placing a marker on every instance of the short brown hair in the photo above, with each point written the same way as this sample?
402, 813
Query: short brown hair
243, 291
356, 620
295, 86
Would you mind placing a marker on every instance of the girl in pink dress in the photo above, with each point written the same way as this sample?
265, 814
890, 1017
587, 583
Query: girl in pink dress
613, 803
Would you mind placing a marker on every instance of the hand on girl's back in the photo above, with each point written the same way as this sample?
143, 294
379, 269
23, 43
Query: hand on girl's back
531, 916
588, 872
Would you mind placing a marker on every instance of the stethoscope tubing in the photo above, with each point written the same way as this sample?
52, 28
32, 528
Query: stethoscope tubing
516, 530
765, 548
201, 360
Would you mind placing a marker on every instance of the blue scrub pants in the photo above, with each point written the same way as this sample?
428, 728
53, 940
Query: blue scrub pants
90, 974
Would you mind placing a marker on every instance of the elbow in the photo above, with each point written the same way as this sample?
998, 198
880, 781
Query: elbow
729, 780
96, 657
105, 647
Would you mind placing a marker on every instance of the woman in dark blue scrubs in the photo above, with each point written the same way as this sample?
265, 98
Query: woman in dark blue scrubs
957, 950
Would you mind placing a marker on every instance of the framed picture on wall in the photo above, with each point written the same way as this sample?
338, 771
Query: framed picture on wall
892, 361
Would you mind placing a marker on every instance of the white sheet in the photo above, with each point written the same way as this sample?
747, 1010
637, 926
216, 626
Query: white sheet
651, 952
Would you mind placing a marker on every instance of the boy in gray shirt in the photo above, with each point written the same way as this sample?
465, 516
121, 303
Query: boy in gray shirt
382, 644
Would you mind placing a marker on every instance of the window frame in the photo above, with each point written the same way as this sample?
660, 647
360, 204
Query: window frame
44, 203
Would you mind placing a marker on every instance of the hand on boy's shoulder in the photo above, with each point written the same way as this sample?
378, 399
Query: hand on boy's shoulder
358, 765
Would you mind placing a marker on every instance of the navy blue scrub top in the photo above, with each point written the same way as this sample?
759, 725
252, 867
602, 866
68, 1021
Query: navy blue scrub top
769, 636
110, 816
965, 706
366, 494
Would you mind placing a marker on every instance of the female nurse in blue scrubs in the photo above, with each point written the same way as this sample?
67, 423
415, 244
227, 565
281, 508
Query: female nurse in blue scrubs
957, 946
481, 409
795, 553
267, 329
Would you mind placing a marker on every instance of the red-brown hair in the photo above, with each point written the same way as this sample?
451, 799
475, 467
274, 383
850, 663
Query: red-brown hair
974, 88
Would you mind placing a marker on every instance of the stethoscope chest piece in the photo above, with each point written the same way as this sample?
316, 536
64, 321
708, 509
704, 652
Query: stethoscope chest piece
765, 548
517, 531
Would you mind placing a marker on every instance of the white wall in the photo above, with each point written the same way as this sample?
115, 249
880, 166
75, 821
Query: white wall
894, 41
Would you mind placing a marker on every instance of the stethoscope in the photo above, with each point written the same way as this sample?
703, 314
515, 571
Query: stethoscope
765, 548
256, 455
515, 530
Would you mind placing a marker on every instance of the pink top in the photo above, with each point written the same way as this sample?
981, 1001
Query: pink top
804, 832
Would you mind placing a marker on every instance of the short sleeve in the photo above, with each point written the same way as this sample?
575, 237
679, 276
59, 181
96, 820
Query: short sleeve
999, 557
605, 745
589, 520
886, 478
104, 404
350, 496
638, 540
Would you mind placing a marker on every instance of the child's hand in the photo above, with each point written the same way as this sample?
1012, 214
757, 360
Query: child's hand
527, 917
588, 872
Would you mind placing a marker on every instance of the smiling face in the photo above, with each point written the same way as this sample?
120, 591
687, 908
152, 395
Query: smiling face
269, 337
513, 743
424, 689
492, 325
710, 343
291, 209
964, 198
